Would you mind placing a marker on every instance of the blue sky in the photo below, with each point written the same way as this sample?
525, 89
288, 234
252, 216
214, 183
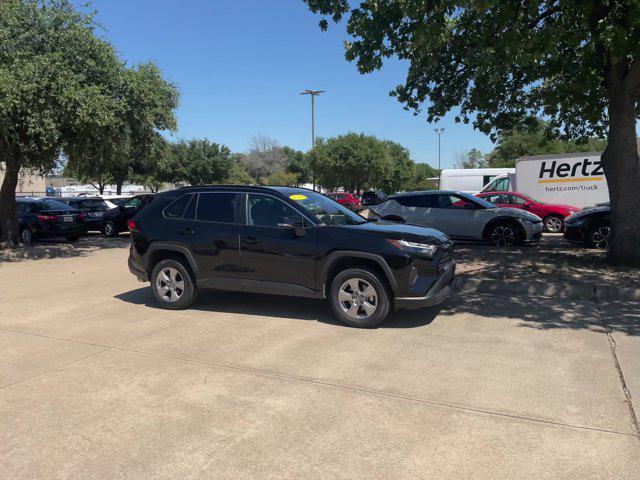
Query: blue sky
241, 64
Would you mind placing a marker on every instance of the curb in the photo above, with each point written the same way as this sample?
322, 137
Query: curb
577, 291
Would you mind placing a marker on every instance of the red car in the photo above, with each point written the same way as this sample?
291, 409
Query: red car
552, 214
349, 200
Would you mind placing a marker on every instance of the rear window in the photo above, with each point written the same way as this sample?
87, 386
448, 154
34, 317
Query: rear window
217, 207
93, 203
176, 209
55, 205
419, 201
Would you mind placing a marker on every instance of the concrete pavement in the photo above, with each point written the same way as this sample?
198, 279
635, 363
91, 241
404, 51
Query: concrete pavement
96, 382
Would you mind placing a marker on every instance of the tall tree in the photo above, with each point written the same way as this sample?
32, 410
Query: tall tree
470, 159
535, 138
577, 63
202, 162
56, 84
265, 158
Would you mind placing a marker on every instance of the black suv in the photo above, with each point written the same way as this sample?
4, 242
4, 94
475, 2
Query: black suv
115, 220
287, 241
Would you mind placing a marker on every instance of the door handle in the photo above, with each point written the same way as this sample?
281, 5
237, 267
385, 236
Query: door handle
187, 231
250, 240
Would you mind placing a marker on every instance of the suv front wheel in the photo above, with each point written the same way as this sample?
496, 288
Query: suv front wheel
173, 285
359, 298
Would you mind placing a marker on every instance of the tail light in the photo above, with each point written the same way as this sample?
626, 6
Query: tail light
132, 225
81, 216
46, 218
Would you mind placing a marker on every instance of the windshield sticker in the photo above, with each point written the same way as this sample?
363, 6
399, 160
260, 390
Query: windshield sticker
297, 196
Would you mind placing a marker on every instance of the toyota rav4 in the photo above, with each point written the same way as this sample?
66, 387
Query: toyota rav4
286, 241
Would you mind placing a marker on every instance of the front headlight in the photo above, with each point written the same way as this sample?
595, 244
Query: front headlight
416, 247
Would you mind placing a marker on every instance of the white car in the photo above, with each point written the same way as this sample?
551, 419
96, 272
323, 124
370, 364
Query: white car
461, 216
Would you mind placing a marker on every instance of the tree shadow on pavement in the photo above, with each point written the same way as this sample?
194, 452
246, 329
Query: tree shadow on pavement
553, 259
278, 306
544, 313
62, 248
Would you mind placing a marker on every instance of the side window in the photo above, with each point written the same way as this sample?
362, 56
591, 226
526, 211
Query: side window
419, 201
133, 203
454, 201
190, 212
176, 209
217, 207
516, 200
267, 211
493, 198
502, 185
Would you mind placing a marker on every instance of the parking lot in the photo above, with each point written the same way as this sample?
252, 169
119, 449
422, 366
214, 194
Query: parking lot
95, 381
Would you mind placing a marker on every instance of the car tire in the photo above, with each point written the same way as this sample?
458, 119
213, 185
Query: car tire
109, 229
598, 236
553, 224
173, 284
359, 298
394, 218
26, 236
505, 234
73, 238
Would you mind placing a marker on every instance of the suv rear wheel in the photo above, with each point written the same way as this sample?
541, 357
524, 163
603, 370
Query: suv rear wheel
109, 229
359, 298
173, 285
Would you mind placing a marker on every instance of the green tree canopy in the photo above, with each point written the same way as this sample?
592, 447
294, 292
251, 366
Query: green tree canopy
201, 162
575, 63
535, 138
56, 91
357, 162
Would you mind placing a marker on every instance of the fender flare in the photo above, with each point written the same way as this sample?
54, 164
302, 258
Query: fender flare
170, 247
331, 259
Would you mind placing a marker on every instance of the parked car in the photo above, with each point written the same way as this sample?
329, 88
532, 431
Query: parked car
115, 220
591, 226
115, 199
47, 218
462, 216
93, 208
349, 200
552, 214
286, 241
372, 198
470, 180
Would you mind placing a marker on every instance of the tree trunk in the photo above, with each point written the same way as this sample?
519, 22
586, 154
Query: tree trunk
621, 163
9, 228
119, 182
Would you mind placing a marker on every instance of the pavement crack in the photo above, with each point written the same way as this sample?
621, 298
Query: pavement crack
612, 348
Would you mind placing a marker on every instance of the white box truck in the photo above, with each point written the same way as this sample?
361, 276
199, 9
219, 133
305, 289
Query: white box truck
568, 178
470, 180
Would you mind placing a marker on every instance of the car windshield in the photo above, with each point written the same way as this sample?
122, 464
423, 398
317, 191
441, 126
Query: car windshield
323, 208
56, 205
473, 199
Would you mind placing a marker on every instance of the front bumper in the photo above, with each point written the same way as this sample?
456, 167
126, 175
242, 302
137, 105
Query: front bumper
533, 231
435, 295
574, 232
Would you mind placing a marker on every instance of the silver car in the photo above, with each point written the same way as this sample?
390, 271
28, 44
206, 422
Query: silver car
462, 216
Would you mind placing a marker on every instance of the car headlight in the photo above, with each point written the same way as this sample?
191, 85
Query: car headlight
416, 247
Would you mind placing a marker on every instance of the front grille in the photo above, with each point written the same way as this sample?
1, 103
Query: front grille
446, 257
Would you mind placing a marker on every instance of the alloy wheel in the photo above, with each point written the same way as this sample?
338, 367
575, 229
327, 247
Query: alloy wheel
108, 228
357, 298
26, 236
553, 224
503, 236
170, 284
600, 237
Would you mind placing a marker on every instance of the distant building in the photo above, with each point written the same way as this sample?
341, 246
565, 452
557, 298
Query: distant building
29, 183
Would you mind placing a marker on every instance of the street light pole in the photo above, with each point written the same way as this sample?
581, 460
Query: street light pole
313, 94
439, 131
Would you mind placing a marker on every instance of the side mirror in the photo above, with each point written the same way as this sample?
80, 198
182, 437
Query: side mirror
470, 206
528, 205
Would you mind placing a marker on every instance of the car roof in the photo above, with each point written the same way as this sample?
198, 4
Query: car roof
427, 192
501, 193
243, 188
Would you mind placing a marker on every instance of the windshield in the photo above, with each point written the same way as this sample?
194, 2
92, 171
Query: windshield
474, 199
323, 208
